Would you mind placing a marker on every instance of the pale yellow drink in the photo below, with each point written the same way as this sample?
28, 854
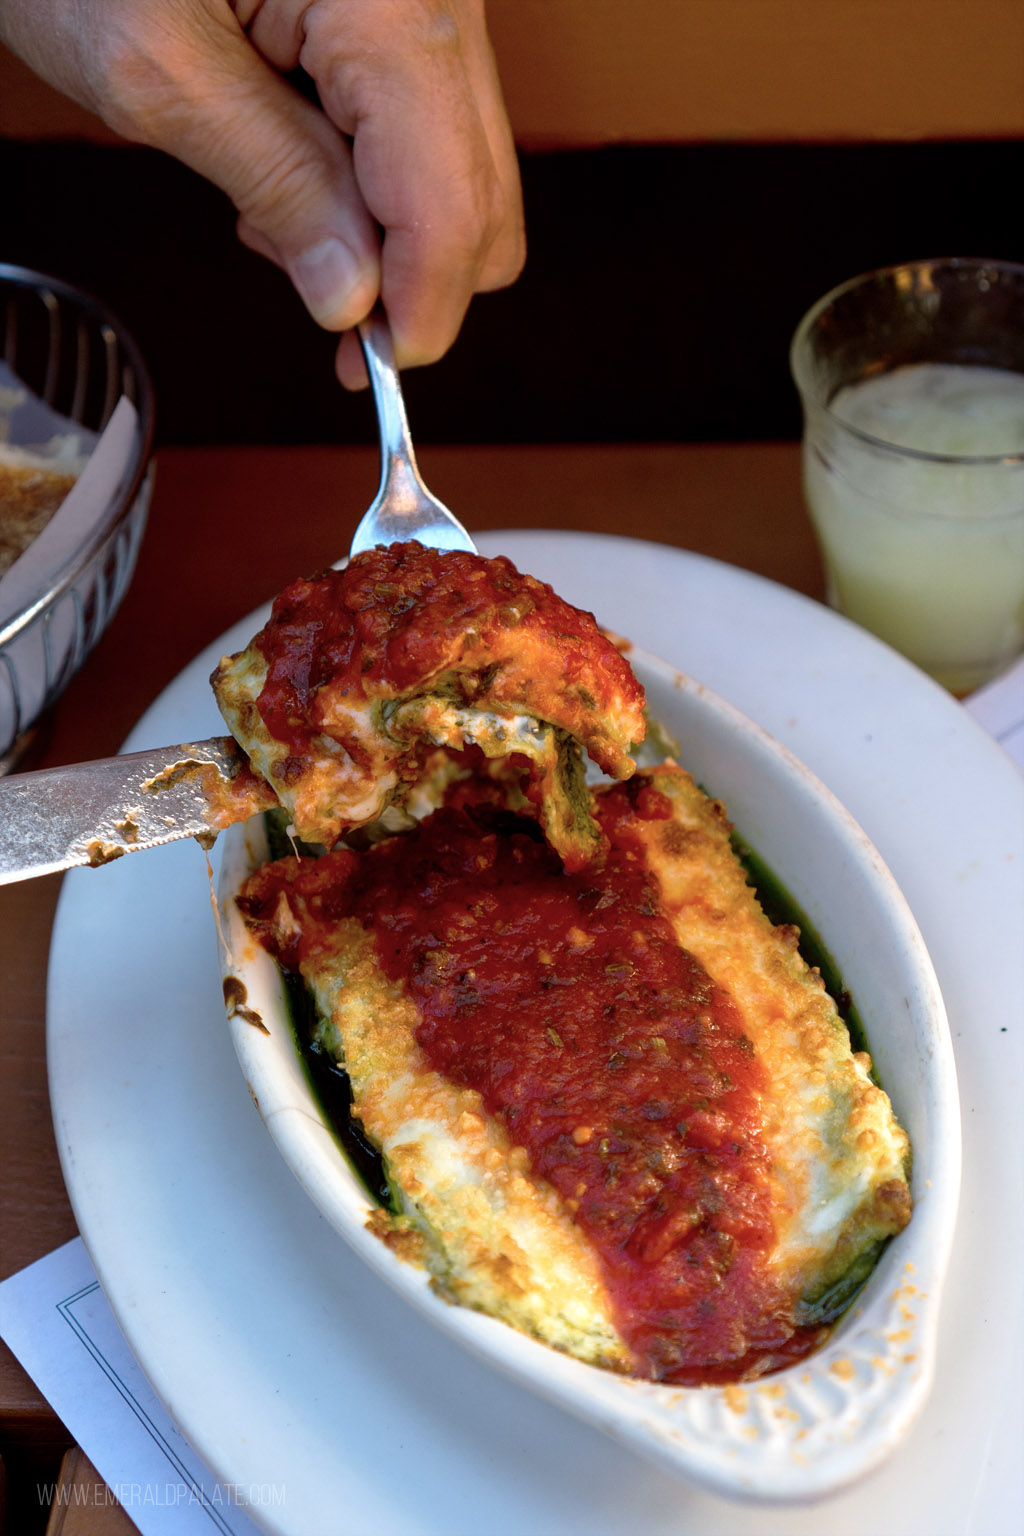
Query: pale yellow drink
915, 480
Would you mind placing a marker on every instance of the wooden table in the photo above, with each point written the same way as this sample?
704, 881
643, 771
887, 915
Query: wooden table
228, 527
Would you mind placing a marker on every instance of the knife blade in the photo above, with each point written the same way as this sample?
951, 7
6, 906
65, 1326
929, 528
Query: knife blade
92, 813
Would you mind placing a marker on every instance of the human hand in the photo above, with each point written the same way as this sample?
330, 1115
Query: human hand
404, 186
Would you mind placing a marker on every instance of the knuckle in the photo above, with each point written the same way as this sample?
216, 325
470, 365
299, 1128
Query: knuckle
150, 71
132, 82
501, 249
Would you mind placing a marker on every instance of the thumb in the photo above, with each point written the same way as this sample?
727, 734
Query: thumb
213, 102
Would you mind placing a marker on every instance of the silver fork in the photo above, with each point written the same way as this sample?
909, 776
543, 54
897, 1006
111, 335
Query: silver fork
403, 508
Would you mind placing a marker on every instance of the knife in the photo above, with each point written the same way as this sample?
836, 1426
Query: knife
91, 813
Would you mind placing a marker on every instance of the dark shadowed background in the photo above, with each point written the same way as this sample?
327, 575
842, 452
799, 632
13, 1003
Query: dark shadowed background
662, 286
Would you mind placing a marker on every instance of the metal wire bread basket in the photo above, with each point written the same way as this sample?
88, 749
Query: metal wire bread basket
79, 360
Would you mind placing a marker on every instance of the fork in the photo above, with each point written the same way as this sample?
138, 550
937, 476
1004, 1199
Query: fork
403, 508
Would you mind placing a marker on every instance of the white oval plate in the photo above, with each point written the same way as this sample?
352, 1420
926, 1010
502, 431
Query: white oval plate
281, 1355
818, 1426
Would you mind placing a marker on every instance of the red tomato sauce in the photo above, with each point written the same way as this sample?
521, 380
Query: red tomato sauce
397, 615
610, 1055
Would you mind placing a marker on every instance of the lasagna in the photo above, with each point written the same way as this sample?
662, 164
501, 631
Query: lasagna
616, 1108
361, 674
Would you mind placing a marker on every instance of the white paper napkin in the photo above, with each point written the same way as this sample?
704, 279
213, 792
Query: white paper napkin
55, 1319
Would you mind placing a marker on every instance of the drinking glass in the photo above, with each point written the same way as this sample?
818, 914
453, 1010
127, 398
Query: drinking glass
912, 385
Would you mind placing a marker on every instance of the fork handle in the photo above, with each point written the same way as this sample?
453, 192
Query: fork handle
379, 353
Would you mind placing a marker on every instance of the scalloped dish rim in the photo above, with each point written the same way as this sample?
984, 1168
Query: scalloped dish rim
816, 1427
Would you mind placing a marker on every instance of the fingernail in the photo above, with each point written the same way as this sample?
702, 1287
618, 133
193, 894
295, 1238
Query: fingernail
327, 276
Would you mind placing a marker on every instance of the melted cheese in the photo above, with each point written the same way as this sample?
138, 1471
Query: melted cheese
839, 1154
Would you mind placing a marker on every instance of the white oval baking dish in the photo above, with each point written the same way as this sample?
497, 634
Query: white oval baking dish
805, 1432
